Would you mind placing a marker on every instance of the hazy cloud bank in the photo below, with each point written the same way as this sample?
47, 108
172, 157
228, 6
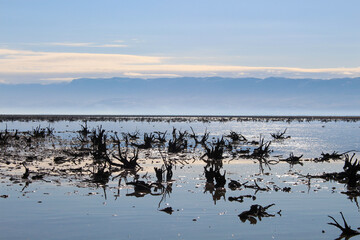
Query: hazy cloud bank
24, 66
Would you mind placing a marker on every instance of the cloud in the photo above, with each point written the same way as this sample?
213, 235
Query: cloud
69, 44
112, 45
22, 64
149, 75
61, 79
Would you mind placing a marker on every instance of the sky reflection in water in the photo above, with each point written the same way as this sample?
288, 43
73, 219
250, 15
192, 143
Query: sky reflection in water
71, 209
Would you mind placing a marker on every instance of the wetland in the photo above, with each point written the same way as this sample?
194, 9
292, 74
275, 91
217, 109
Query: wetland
179, 177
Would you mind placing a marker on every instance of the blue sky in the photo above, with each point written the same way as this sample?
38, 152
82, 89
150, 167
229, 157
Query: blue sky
58, 40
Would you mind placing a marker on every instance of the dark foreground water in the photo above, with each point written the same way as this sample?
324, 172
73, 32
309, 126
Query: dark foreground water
70, 206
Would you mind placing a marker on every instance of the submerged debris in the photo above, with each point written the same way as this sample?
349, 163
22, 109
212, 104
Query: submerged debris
256, 211
241, 198
233, 185
168, 210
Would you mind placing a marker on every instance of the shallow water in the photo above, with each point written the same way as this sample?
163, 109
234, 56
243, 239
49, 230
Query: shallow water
60, 207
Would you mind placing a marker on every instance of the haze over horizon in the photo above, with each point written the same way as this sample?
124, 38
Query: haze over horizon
185, 96
57, 41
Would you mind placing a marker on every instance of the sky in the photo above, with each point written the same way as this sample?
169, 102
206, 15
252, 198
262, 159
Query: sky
45, 41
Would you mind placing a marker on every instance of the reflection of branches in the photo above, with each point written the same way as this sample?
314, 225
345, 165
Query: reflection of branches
292, 160
347, 232
217, 194
123, 175
256, 187
308, 177
167, 167
166, 192
349, 175
353, 195
141, 188
264, 162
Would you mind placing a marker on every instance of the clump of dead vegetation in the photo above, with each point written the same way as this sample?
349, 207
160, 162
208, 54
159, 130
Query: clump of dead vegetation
201, 140
148, 140
263, 150
292, 159
215, 151
280, 135
350, 174
178, 143
236, 137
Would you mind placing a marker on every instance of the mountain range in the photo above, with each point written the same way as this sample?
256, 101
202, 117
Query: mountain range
185, 96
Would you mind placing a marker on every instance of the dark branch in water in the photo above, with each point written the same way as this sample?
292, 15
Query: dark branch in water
346, 230
204, 138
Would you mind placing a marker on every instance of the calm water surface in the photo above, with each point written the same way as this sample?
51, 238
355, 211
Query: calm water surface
67, 208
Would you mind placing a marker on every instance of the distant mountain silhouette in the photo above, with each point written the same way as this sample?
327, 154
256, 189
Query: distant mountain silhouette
214, 95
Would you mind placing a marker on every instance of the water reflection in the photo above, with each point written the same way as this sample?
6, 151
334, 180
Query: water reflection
256, 211
152, 166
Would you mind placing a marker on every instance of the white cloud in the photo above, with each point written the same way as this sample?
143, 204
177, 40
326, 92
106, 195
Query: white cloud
116, 44
149, 75
55, 65
61, 79
20, 62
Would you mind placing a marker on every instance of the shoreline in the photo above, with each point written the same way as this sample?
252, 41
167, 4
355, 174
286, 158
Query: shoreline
172, 118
